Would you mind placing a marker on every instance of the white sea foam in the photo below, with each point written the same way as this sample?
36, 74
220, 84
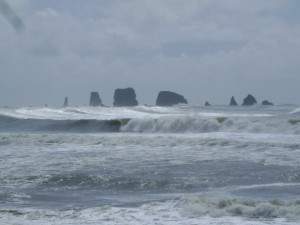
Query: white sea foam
295, 111
145, 119
105, 113
255, 186
221, 207
197, 124
192, 210
97, 113
212, 160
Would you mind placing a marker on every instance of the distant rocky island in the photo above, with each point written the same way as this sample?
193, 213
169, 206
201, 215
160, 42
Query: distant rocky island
66, 102
267, 103
126, 97
233, 102
169, 98
249, 100
95, 99
207, 104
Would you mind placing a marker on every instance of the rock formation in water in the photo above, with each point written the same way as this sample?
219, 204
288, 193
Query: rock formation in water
266, 102
125, 97
233, 102
66, 102
207, 104
95, 99
168, 98
249, 100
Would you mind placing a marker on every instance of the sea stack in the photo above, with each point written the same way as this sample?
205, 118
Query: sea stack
249, 100
233, 102
168, 98
95, 99
266, 102
66, 102
125, 97
207, 104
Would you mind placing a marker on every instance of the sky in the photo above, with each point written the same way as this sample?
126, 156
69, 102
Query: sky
207, 50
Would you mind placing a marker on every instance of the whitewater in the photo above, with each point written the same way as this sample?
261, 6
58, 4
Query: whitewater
180, 165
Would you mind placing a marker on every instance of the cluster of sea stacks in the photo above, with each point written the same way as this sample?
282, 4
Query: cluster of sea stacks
122, 97
127, 97
248, 101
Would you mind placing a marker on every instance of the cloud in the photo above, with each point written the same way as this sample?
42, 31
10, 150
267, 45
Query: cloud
9, 14
205, 49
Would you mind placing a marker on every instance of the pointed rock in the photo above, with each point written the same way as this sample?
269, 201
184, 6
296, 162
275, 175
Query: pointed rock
66, 102
249, 100
125, 97
95, 99
266, 102
233, 102
168, 98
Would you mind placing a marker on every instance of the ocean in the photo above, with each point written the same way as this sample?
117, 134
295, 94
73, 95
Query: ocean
183, 165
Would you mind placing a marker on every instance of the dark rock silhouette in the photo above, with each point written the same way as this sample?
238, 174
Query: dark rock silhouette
125, 97
249, 100
168, 98
266, 102
207, 104
66, 102
95, 99
233, 102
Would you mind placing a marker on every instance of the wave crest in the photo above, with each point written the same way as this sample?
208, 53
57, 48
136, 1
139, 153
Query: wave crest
196, 124
163, 124
84, 125
106, 182
203, 206
173, 125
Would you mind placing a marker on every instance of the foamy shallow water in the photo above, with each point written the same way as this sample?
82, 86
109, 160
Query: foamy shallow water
179, 165
155, 213
171, 212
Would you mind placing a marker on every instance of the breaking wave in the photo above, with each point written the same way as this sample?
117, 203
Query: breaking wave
295, 111
256, 209
164, 124
179, 212
144, 119
108, 183
8, 124
196, 124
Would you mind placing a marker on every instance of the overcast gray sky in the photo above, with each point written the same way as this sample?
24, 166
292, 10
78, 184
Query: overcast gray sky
203, 49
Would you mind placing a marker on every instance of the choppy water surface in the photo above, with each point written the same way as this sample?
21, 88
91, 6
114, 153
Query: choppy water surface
150, 165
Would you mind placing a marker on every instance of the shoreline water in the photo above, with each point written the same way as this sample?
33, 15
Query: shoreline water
177, 165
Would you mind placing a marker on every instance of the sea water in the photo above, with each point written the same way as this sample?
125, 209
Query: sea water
150, 165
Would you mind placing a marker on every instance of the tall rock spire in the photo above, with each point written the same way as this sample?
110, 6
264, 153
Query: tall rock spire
233, 102
66, 102
95, 99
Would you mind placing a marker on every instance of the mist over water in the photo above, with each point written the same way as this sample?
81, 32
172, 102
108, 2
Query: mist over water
150, 165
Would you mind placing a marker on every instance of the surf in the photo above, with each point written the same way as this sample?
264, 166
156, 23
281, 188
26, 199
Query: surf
10, 124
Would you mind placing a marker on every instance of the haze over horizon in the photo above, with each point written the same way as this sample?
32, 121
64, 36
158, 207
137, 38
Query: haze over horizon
204, 49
